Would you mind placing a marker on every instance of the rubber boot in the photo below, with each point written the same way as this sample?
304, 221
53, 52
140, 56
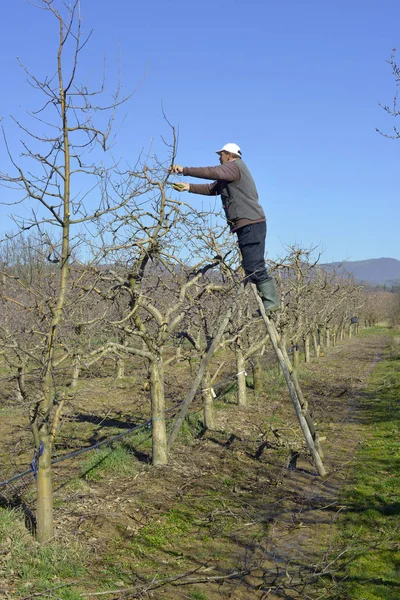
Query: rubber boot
267, 291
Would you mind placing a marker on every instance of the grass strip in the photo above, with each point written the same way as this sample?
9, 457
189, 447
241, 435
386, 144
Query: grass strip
370, 524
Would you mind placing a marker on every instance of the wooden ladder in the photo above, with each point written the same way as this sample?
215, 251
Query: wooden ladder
296, 395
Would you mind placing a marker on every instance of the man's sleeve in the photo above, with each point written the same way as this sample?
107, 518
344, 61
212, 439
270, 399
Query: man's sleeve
207, 189
227, 172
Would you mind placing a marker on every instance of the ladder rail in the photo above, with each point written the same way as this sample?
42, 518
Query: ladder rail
296, 394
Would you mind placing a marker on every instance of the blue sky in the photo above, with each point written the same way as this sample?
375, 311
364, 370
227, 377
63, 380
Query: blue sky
295, 83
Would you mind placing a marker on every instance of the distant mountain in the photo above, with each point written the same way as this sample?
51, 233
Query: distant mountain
375, 271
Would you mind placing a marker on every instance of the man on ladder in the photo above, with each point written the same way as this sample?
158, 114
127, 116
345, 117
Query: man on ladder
245, 216
234, 183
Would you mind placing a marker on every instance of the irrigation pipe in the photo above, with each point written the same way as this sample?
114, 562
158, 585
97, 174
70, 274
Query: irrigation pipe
102, 442
87, 449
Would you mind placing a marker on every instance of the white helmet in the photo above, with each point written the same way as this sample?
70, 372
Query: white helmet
233, 148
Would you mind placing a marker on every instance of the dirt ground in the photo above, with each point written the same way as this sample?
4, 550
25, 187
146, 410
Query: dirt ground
227, 518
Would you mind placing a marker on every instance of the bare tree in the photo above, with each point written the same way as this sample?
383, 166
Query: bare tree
49, 175
392, 110
246, 337
199, 330
154, 270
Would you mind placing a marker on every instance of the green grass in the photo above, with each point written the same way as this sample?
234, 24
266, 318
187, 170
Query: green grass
273, 381
10, 411
191, 428
370, 525
159, 539
35, 567
193, 531
78, 485
197, 595
116, 460
140, 439
166, 531
376, 329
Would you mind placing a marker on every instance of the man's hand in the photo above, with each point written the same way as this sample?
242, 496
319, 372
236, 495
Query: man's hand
181, 187
176, 169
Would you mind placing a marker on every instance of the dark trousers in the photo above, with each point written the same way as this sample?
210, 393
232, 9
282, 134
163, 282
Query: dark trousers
251, 240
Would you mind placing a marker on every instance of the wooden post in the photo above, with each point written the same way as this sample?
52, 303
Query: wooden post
159, 437
240, 377
208, 402
200, 374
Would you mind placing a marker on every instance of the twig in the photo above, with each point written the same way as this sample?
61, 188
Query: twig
40, 594
180, 580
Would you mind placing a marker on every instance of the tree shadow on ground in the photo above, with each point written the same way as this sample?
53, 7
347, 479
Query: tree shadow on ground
16, 501
126, 423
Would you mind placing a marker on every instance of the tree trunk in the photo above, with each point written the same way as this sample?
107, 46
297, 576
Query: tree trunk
42, 460
158, 411
307, 348
258, 382
316, 344
296, 356
200, 374
44, 514
208, 402
241, 378
120, 367
334, 334
76, 371
328, 337
321, 340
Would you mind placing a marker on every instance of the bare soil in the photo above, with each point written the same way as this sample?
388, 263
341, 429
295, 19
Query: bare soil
227, 518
